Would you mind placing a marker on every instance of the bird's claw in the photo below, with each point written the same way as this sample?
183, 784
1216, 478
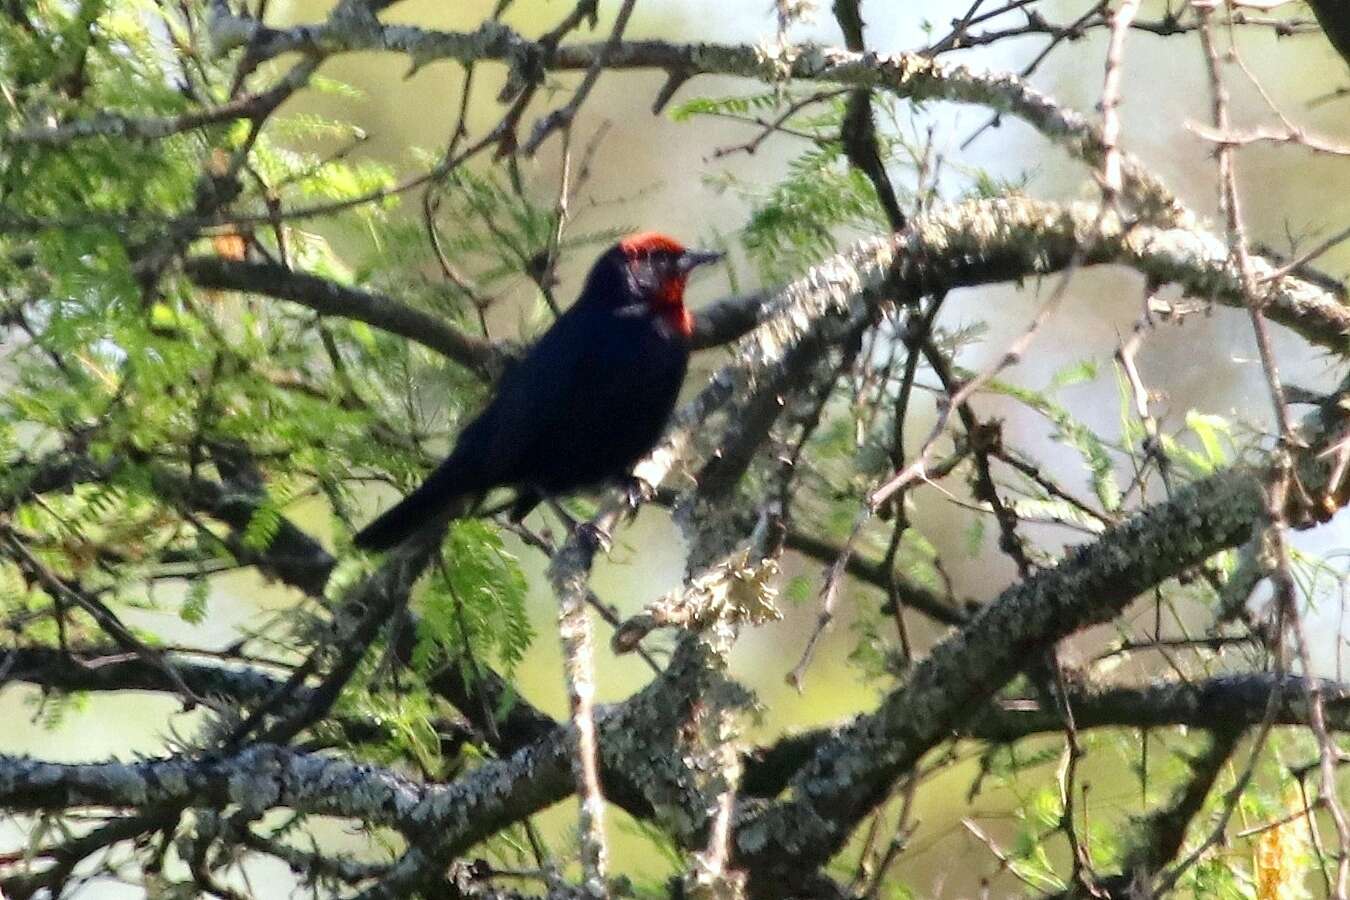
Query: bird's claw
594, 537
636, 491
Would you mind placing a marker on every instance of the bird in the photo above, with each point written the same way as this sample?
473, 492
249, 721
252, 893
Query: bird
588, 400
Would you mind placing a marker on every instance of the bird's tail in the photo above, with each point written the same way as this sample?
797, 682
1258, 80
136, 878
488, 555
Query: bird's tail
442, 495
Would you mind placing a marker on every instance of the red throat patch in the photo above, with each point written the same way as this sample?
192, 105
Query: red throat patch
669, 305
678, 319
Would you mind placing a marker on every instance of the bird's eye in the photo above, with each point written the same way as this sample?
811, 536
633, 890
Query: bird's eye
652, 272
646, 273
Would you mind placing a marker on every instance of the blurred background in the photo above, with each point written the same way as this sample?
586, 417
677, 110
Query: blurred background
651, 172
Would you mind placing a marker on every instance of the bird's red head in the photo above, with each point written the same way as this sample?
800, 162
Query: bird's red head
658, 268
644, 243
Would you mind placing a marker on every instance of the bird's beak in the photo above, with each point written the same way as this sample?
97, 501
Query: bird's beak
692, 259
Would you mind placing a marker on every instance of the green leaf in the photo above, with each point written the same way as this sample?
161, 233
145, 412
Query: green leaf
1213, 432
799, 590
974, 537
476, 600
193, 608
1081, 372
262, 527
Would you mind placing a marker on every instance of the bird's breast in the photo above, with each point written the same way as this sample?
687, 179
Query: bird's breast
671, 321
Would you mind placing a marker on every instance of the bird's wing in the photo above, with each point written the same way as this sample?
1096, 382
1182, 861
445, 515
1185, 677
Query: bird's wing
532, 399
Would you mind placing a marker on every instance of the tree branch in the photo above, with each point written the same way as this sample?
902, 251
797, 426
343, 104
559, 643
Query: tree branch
1228, 702
855, 767
110, 669
332, 299
908, 76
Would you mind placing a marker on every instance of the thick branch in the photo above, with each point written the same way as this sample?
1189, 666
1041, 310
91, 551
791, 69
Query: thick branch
856, 766
1014, 238
960, 245
909, 76
499, 793
113, 670
332, 299
1225, 702
1228, 702
292, 556
145, 128
263, 776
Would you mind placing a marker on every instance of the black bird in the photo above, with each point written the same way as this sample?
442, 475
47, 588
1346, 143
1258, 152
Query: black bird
587, 402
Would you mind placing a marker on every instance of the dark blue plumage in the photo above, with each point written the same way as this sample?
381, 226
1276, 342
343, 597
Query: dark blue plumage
587, 402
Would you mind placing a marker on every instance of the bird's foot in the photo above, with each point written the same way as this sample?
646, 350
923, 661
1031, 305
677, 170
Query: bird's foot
636, 491
594, 537
569, 521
